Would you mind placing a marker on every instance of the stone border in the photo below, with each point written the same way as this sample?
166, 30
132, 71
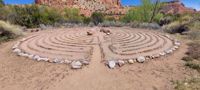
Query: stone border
141, 59
77, 64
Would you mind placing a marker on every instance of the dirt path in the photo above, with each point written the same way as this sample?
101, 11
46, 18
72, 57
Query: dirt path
18, 73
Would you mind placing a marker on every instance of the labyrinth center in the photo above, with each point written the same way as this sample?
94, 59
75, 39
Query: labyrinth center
68, 45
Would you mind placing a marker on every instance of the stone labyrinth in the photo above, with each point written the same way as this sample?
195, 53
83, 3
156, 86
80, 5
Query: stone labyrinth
75, 46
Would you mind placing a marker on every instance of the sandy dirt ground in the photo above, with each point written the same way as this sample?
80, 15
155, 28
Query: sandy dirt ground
19, 73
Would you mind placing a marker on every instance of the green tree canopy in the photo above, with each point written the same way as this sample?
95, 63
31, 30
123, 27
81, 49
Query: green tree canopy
147, 12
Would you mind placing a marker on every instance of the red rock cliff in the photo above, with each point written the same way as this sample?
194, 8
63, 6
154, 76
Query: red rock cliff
86, 6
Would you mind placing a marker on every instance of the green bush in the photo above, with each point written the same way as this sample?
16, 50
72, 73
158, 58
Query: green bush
71, 15
30, 15
97, 18
86, 20
144, 13
8, 31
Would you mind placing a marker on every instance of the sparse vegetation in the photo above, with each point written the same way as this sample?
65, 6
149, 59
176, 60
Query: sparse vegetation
147, 12
97, 18
188, 84
8, 31
193, 58
71, 15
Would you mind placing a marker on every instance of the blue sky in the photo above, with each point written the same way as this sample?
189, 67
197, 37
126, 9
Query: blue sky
189, 3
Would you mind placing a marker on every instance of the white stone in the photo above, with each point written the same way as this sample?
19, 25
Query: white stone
169, 51
162, 53
23, 39
157, 56
76, 64
177, 43
121, 63
16, 45
173, 49
68, 61
36, 57
43, 59
23, 55
16, 50
130, 61
30, 56
141, 59
56, 60
111, 64
62, 61
176, 47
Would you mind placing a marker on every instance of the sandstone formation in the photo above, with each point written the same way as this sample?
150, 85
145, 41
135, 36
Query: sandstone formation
176, 7
86, 6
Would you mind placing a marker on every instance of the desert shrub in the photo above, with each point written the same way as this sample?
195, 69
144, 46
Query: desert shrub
175, 27
158, 17
193, 58
195, 25
86, 20
97, 18
188, 84
9, 31
144, 25
112, 24
5, 12
187, 58
71, 15
194, 35
194, 50
30, 15
194, 65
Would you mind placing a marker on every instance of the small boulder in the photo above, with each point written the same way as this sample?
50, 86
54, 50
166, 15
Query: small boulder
56, 60
130, 61
30, 56
141, 59
111, 64
162, 54
177, 43
120, 63
36, 57
169, 51
176, 47
67, 61
76, 65
16, 50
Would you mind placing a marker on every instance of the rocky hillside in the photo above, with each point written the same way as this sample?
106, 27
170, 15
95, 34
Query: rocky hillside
176, 7
86, 6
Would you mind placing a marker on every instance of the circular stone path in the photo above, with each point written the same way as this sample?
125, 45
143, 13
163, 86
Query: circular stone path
70, 45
